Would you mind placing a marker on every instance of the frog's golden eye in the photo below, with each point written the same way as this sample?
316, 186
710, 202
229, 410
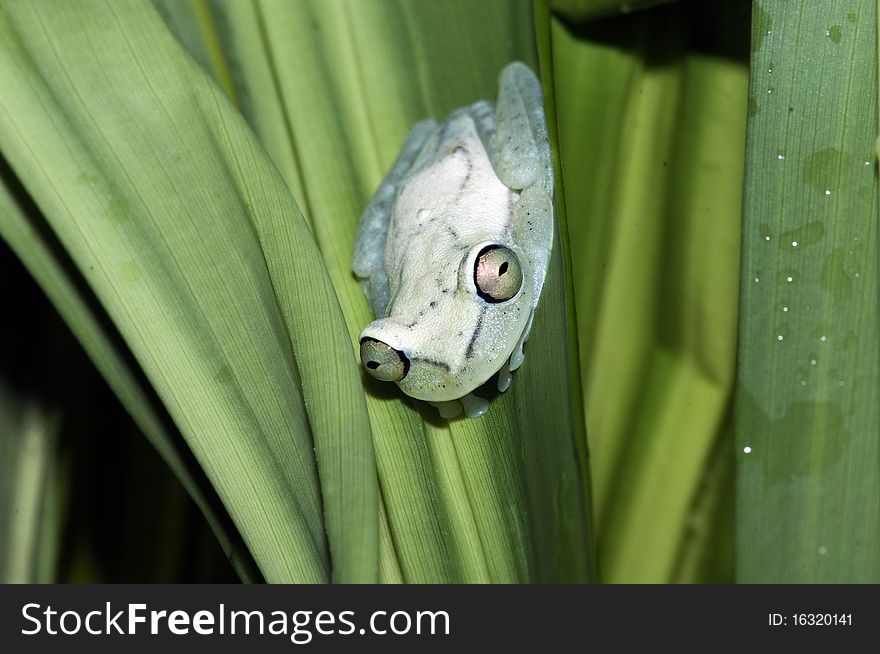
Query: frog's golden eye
382, 361
497, 274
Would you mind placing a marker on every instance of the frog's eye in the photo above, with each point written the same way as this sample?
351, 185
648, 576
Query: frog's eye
382, 361
497, 274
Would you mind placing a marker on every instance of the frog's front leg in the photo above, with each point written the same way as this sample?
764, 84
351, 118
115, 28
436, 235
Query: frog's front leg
522, 161
522, 149
369, 249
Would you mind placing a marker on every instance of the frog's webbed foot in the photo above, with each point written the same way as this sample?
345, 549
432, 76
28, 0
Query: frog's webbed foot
472, 405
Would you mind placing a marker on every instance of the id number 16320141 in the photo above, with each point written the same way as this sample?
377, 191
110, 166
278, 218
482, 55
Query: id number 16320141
810, 620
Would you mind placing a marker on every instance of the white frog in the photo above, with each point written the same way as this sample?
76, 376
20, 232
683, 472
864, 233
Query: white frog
452, 250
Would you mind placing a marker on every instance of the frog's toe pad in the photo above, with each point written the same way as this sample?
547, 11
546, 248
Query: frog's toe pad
517, 357
474, 406
504, 378
448, 410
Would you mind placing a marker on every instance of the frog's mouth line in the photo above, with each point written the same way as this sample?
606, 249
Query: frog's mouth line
469, 352
434, 362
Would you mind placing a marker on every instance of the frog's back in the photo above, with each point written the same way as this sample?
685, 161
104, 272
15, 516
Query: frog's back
452, 200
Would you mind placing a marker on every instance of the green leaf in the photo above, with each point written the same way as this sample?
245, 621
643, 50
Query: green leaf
25, 231
651, 114
193, 245
807, 432
222, 299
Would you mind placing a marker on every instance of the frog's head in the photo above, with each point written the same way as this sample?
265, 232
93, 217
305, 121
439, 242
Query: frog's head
445, 337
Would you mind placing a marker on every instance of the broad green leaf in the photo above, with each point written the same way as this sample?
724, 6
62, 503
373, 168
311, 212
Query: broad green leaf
807, 424
651, 114
25, 231
195, 30
332, 96
195, 248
